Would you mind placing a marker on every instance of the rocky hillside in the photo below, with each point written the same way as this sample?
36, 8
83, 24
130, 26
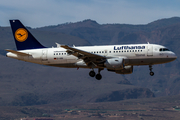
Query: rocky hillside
20, 81
164, 32
23, 84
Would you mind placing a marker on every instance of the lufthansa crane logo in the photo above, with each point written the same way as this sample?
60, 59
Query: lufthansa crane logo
21, 34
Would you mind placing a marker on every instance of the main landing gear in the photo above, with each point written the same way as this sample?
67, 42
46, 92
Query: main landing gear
151, 72
98, 76
92, 73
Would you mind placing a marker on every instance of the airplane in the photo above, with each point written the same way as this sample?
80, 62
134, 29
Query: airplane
115, 58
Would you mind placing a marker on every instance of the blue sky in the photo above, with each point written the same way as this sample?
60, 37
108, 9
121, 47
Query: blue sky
38, 13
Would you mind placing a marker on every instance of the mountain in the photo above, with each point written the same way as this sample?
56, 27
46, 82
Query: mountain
98, 34
164, 32
24, 83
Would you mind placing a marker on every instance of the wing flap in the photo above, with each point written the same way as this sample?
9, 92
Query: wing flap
90, 59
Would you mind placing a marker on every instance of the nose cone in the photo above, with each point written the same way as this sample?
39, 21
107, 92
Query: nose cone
173, 56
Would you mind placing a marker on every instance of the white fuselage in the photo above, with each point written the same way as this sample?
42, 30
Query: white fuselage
134, 54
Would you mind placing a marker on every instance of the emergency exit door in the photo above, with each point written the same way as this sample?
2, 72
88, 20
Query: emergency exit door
44, 56
150, 50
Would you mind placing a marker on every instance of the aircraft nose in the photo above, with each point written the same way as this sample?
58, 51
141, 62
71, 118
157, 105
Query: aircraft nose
173, 55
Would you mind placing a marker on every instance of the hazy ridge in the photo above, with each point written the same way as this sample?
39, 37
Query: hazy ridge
20, 81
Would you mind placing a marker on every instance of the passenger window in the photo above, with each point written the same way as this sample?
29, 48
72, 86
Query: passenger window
119, 51
56, 53
116, 51
102, 51
109, 51
99, 51
135, 50
127, 50
62, 53
105, 51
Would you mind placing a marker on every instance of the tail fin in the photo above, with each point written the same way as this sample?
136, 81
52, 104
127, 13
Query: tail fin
23, 38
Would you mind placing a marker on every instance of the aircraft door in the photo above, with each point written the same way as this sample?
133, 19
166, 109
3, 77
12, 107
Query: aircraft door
150, 50
105, 52
44, 56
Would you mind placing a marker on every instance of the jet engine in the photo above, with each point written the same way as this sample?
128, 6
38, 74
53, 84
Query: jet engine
114, 63
126, 70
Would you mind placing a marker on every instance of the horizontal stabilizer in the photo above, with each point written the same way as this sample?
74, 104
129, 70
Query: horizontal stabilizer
18, 53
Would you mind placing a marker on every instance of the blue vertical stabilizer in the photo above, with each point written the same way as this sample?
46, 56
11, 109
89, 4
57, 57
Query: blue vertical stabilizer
23, 38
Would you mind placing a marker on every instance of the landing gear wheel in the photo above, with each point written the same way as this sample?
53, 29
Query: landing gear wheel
151, 73
92, 73
98, 76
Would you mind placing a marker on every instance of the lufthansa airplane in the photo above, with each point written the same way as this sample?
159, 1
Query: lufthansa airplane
115, 58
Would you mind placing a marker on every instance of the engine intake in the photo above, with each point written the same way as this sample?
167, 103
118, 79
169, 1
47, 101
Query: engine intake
114, 63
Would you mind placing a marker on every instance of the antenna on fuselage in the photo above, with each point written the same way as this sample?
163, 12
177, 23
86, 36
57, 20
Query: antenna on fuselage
148, 42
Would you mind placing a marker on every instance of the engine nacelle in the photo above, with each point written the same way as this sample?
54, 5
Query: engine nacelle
114, 63
126, 70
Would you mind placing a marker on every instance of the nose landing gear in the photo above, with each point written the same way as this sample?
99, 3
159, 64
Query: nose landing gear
151, 72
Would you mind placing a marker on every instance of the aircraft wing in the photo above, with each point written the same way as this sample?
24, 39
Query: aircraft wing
89, 58
18, 53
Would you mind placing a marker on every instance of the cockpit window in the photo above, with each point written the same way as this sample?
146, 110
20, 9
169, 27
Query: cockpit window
164, 49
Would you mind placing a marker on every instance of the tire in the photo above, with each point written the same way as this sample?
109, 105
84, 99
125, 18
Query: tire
151, 73
98, 76
92, 73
